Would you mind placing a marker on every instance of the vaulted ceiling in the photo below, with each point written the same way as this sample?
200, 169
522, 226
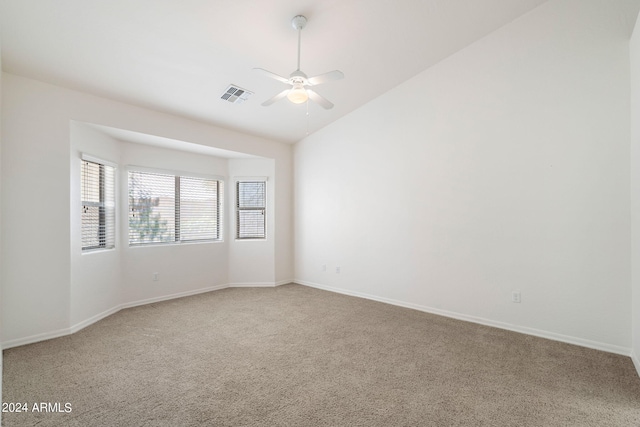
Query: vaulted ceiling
179, 56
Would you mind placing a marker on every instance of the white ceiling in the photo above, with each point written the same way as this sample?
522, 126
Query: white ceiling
179, 56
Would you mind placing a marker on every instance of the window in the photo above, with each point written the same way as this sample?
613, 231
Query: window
170, 208
250, 209
97, 189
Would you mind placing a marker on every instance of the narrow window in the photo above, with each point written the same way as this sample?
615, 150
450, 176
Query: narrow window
97, 182
251, 207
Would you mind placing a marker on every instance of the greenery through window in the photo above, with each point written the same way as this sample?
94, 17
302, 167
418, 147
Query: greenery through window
170, 208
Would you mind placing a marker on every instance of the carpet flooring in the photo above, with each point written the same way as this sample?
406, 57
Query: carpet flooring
298, 356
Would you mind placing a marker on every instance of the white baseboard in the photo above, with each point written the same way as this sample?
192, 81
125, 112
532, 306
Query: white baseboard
35, 338
521, 329
258, 284
172, 296
252, 285
482, 321
284, 282
93, 319
636, 362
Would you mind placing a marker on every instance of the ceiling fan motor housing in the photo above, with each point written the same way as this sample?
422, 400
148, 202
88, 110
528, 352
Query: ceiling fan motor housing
298, 77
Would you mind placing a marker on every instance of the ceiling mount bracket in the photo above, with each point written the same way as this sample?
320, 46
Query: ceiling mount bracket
298, 22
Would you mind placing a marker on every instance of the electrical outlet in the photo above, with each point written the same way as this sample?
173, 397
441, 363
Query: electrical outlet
324, 267
516, 297
337, 270
156, 277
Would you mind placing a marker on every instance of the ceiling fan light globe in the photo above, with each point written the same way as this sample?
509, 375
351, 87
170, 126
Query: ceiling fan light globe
298, 95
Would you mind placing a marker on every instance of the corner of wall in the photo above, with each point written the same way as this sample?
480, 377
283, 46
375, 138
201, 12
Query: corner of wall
634, 159
1, 282
636, 362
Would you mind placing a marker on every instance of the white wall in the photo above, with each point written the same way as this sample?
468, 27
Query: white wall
182, 268
634, 51
102, 281
502, 168
38, 284
95, 276
249, 260
1, 243
283, 219
35, 177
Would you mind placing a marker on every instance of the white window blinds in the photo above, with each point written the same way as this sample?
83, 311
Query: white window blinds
251, 209
199, 215
98, 217
151, 208
170, 208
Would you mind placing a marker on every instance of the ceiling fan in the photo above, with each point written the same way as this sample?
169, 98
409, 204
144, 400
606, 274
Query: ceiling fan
300, 91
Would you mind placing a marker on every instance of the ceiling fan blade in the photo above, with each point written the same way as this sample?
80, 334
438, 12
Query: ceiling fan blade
272, 75
326, 77
275, 98
323, 102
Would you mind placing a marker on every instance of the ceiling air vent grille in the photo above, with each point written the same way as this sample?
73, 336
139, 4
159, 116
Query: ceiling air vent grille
236, 94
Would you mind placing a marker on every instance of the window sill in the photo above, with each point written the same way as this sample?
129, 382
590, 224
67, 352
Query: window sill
163, 244
97, 251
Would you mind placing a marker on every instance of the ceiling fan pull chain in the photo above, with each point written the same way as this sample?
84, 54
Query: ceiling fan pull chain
307, 117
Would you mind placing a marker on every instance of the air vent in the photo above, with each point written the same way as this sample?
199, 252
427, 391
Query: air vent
236, 94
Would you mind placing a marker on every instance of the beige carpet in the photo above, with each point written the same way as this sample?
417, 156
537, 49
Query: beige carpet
297, 356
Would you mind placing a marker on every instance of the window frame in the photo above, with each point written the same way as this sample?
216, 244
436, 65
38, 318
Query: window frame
177, 232
238, 209
108, 239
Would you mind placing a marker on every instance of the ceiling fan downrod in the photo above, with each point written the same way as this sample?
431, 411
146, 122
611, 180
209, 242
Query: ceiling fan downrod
299, 22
